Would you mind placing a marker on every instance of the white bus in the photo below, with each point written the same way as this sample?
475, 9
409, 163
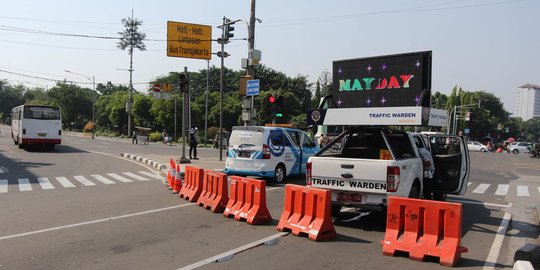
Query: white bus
36, 124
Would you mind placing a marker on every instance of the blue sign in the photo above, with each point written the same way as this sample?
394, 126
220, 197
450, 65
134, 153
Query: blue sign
467, 130
252, 87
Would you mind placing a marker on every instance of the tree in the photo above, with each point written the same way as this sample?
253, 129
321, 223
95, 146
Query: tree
75, 102
9, 97
439, 101
131, 38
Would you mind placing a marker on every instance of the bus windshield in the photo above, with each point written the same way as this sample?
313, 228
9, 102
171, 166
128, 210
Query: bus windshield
44, 113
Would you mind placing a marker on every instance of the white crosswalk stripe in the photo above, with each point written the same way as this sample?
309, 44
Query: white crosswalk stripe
103, 179
49, 183
119, 177
45, 183
24, 184
65, 182
3, 185
149, 174
132, 175
502, 190
523, 191
84, 180
481, 188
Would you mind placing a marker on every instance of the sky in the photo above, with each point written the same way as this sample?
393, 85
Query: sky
480, 45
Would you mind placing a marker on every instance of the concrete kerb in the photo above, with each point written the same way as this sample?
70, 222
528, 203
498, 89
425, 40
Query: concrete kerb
159, 166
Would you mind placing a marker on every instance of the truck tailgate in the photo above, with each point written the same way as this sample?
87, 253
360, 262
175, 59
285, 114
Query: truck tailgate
356, 175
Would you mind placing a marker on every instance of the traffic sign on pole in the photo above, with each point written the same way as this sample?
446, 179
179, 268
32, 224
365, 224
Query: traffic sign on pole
252, 88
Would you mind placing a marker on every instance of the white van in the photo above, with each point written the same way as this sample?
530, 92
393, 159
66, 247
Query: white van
268, 152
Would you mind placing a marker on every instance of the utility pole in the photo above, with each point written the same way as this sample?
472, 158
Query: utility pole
128, 104
251, 69
206, 103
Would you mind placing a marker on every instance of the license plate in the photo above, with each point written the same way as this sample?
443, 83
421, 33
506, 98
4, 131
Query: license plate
349, 197
244, 154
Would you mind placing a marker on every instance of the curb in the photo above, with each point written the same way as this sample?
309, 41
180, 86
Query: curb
155, 164
529, 253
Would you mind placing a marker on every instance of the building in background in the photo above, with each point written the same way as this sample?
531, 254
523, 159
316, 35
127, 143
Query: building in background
527, 104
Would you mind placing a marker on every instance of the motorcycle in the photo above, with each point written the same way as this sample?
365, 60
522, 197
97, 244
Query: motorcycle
534, 153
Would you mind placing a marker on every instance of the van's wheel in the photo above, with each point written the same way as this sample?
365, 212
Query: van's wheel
279, 174
415, 191
515, 151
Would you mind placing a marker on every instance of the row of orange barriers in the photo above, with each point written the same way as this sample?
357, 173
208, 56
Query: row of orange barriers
420, 227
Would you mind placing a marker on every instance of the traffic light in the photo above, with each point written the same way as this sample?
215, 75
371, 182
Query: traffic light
229, 28
272, 102
184, 83
279, 106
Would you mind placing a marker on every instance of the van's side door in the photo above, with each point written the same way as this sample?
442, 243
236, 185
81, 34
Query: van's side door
452, 164
295, 160
308, 148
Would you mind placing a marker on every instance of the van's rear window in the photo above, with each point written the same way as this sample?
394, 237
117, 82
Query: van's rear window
239, 137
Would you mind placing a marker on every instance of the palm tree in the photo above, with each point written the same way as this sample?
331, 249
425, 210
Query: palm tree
131, 38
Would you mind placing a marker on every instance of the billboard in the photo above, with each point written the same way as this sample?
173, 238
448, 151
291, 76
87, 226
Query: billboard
383, 81
189, 40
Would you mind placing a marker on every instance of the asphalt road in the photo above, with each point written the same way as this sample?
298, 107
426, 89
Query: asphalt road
140, 225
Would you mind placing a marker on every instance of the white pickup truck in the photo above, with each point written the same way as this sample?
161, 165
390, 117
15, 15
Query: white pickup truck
373, 163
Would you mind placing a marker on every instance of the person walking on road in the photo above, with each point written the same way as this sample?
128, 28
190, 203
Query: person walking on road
134, 138
193, 141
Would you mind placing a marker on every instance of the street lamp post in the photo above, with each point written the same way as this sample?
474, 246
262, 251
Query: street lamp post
93, 80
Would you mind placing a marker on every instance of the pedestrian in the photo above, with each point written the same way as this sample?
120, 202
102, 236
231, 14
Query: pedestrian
216, 141
134, 138
193, 141
164, 135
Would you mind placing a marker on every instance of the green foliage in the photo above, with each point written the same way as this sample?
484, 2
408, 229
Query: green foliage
155, 136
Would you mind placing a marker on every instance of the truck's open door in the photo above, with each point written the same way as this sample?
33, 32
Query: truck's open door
452, 165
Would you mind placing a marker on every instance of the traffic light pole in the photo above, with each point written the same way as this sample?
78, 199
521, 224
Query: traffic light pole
221, 91
251, 69
185, 96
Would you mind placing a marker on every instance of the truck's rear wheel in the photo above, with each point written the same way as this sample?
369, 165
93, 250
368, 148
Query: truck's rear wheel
279, 174
439, 196
415, 191
336, 209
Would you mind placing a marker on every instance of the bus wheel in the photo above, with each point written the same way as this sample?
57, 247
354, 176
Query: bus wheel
279, 175
21, 146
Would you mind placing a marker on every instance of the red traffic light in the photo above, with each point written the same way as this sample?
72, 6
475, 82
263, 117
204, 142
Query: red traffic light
272, 99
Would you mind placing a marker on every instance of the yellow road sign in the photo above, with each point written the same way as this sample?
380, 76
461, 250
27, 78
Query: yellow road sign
189, 40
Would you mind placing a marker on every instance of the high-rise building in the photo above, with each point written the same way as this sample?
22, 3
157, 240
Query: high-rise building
527, 104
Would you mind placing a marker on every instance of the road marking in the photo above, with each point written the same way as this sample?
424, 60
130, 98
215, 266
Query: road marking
232, 252
480, 203
491, 259
64, 182
523, 191
24, 184
481, 189
84, 180
3, 186
132, 175
119, 178
502, 190
94, 221
149, 174
469, 184
538, 189
103, 179
45, 183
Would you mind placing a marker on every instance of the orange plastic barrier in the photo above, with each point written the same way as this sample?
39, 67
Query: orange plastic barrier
171, 175
215, 194
307, 211
177, 183
247, 201
193, 177
424, 227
